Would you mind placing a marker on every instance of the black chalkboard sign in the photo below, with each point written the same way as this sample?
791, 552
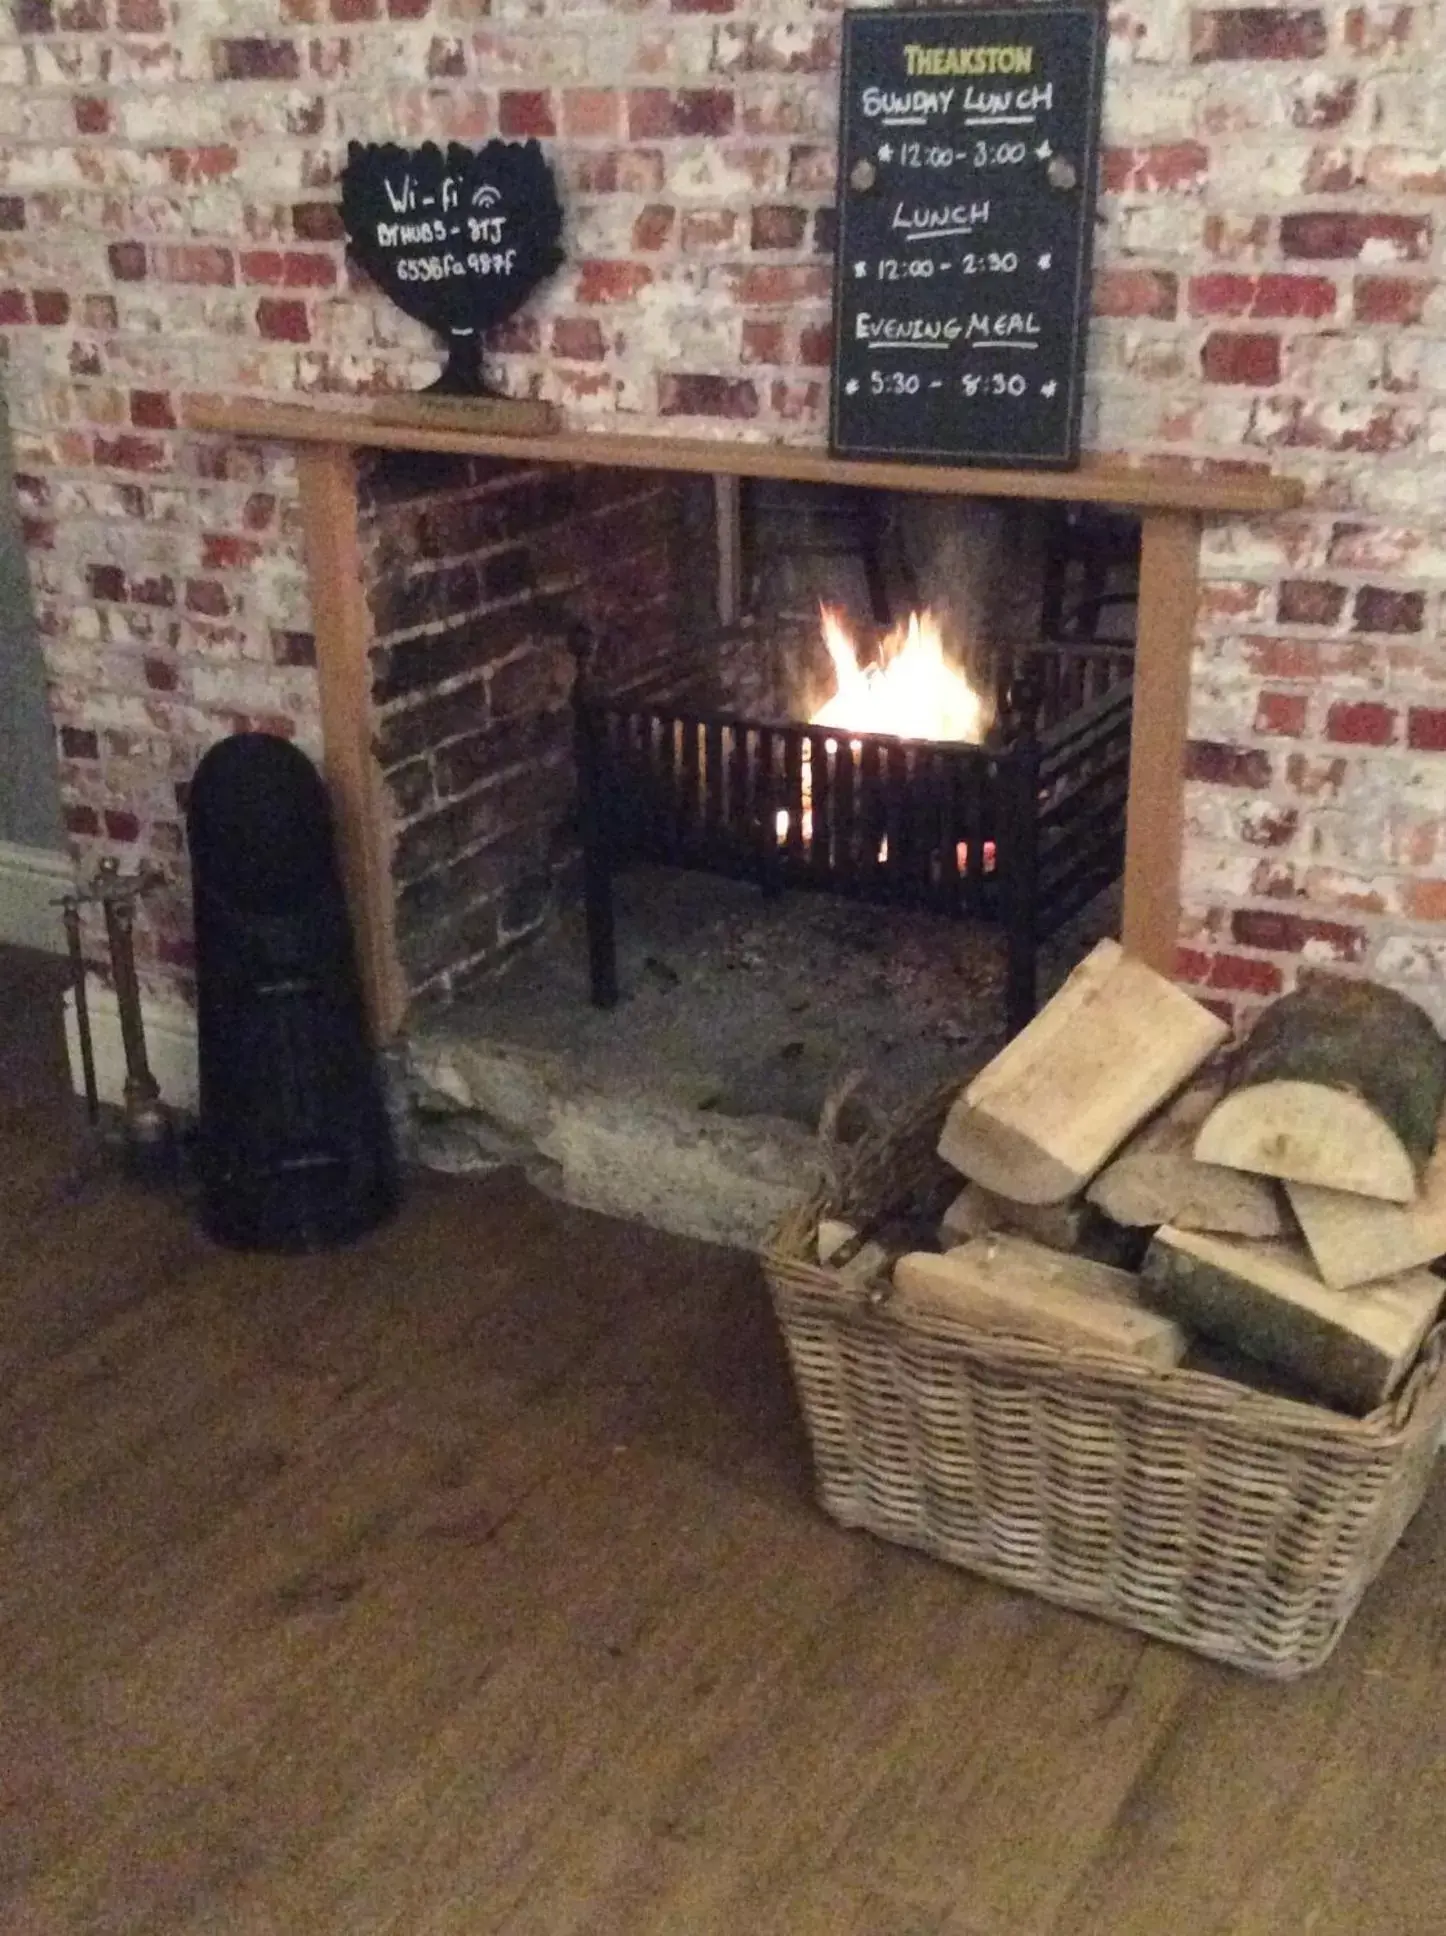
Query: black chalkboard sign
966, 216
458, 239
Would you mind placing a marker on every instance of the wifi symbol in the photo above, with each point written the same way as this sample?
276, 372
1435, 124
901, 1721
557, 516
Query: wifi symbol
486, 196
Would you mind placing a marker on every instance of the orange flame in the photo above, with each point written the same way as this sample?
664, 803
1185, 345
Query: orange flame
913, 691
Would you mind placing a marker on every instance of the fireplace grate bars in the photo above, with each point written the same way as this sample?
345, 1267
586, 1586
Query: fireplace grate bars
1021, 831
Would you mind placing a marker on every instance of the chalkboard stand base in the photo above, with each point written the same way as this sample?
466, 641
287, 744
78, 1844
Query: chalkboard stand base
487, 416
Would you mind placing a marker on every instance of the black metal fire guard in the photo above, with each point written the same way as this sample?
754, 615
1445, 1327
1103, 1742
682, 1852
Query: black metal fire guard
1022, 831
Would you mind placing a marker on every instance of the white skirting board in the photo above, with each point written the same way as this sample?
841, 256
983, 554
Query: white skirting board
31, 880
170, 1047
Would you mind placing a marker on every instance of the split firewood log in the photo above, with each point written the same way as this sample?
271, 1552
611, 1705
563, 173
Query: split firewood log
1339, 1084
1056, 1103
975, 1212
1157, 1178
1355, 1239
1008, 1284
1266, 1299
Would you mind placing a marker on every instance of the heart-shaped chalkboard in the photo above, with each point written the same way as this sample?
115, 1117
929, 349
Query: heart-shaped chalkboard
459, 238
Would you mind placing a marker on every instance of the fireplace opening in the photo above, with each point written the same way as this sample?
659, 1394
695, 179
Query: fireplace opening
729, 827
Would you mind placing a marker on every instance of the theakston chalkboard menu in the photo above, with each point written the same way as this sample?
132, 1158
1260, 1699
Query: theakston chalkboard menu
966, 213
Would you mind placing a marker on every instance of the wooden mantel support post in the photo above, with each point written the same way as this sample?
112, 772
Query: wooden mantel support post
1169, 586
342, 622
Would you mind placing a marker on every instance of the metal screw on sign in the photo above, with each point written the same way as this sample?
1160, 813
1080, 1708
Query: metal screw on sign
863, 175
1062, 172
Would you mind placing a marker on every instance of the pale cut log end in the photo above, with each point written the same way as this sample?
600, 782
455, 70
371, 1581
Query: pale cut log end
1306, 1133
1003, 1160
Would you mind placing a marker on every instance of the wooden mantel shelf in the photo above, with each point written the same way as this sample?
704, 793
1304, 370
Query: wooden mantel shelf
1097, 481
1171, 504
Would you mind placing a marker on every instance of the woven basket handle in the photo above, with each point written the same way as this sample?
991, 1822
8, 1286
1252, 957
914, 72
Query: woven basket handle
1423, 1374
837, 1151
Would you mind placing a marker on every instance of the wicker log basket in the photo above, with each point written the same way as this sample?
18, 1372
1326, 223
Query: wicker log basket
1237, 1523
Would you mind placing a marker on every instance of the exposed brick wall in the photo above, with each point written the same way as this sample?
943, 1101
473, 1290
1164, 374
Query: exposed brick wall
475, 571
1270, 256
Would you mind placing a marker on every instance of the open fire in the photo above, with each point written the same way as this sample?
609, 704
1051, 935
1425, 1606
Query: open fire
910, 692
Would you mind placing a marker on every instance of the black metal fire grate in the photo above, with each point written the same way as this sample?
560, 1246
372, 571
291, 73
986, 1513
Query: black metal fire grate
1022, 831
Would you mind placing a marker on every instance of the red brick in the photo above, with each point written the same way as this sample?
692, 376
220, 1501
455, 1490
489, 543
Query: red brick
293, 648
1315, 776
1221, 765
1257, 33
81, 16
815, 345
12, 212
197, 262
703, 110
348, 13
212, 164
775, 284
776, 226
1363, 722
608, 282
1390, 299
705, 229
33, 16
127, 453
141, 16
1281, 713
707, 396
1426, 729
91, 115
106, 581
1229, 356
592, 113
579, 338
650, 113
1287, 934
120, 825
408, 9
82, 820
1191, 964
14, 306
1137, 292
256, 59
161, 675
1425, 900
701, 6
525, 112
151, 410
158, 591
280, 320
1223, 294
653, 227
1379, 610
1327, 106
208, 597
51, 306
1378, 30
1336, 236
1309, 601
76, 744
1174, 164
762, 342
1245, 975
317, 222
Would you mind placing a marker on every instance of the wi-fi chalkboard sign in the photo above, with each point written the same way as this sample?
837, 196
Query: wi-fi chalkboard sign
966, 215
458, 239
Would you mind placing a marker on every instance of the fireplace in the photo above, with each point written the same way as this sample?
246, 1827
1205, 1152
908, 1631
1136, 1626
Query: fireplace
1022, 827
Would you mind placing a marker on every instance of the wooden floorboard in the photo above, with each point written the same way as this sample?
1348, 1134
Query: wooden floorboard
469, 1582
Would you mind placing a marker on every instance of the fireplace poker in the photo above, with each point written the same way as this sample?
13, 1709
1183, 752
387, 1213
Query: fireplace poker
70, 913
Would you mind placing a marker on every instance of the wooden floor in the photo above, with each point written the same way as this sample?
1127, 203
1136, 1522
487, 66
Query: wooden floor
470, 1582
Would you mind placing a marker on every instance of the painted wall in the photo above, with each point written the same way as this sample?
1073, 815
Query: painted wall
29, 788
1268, 293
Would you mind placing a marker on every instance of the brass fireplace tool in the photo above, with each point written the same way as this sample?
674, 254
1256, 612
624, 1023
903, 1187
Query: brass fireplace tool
147, 1131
